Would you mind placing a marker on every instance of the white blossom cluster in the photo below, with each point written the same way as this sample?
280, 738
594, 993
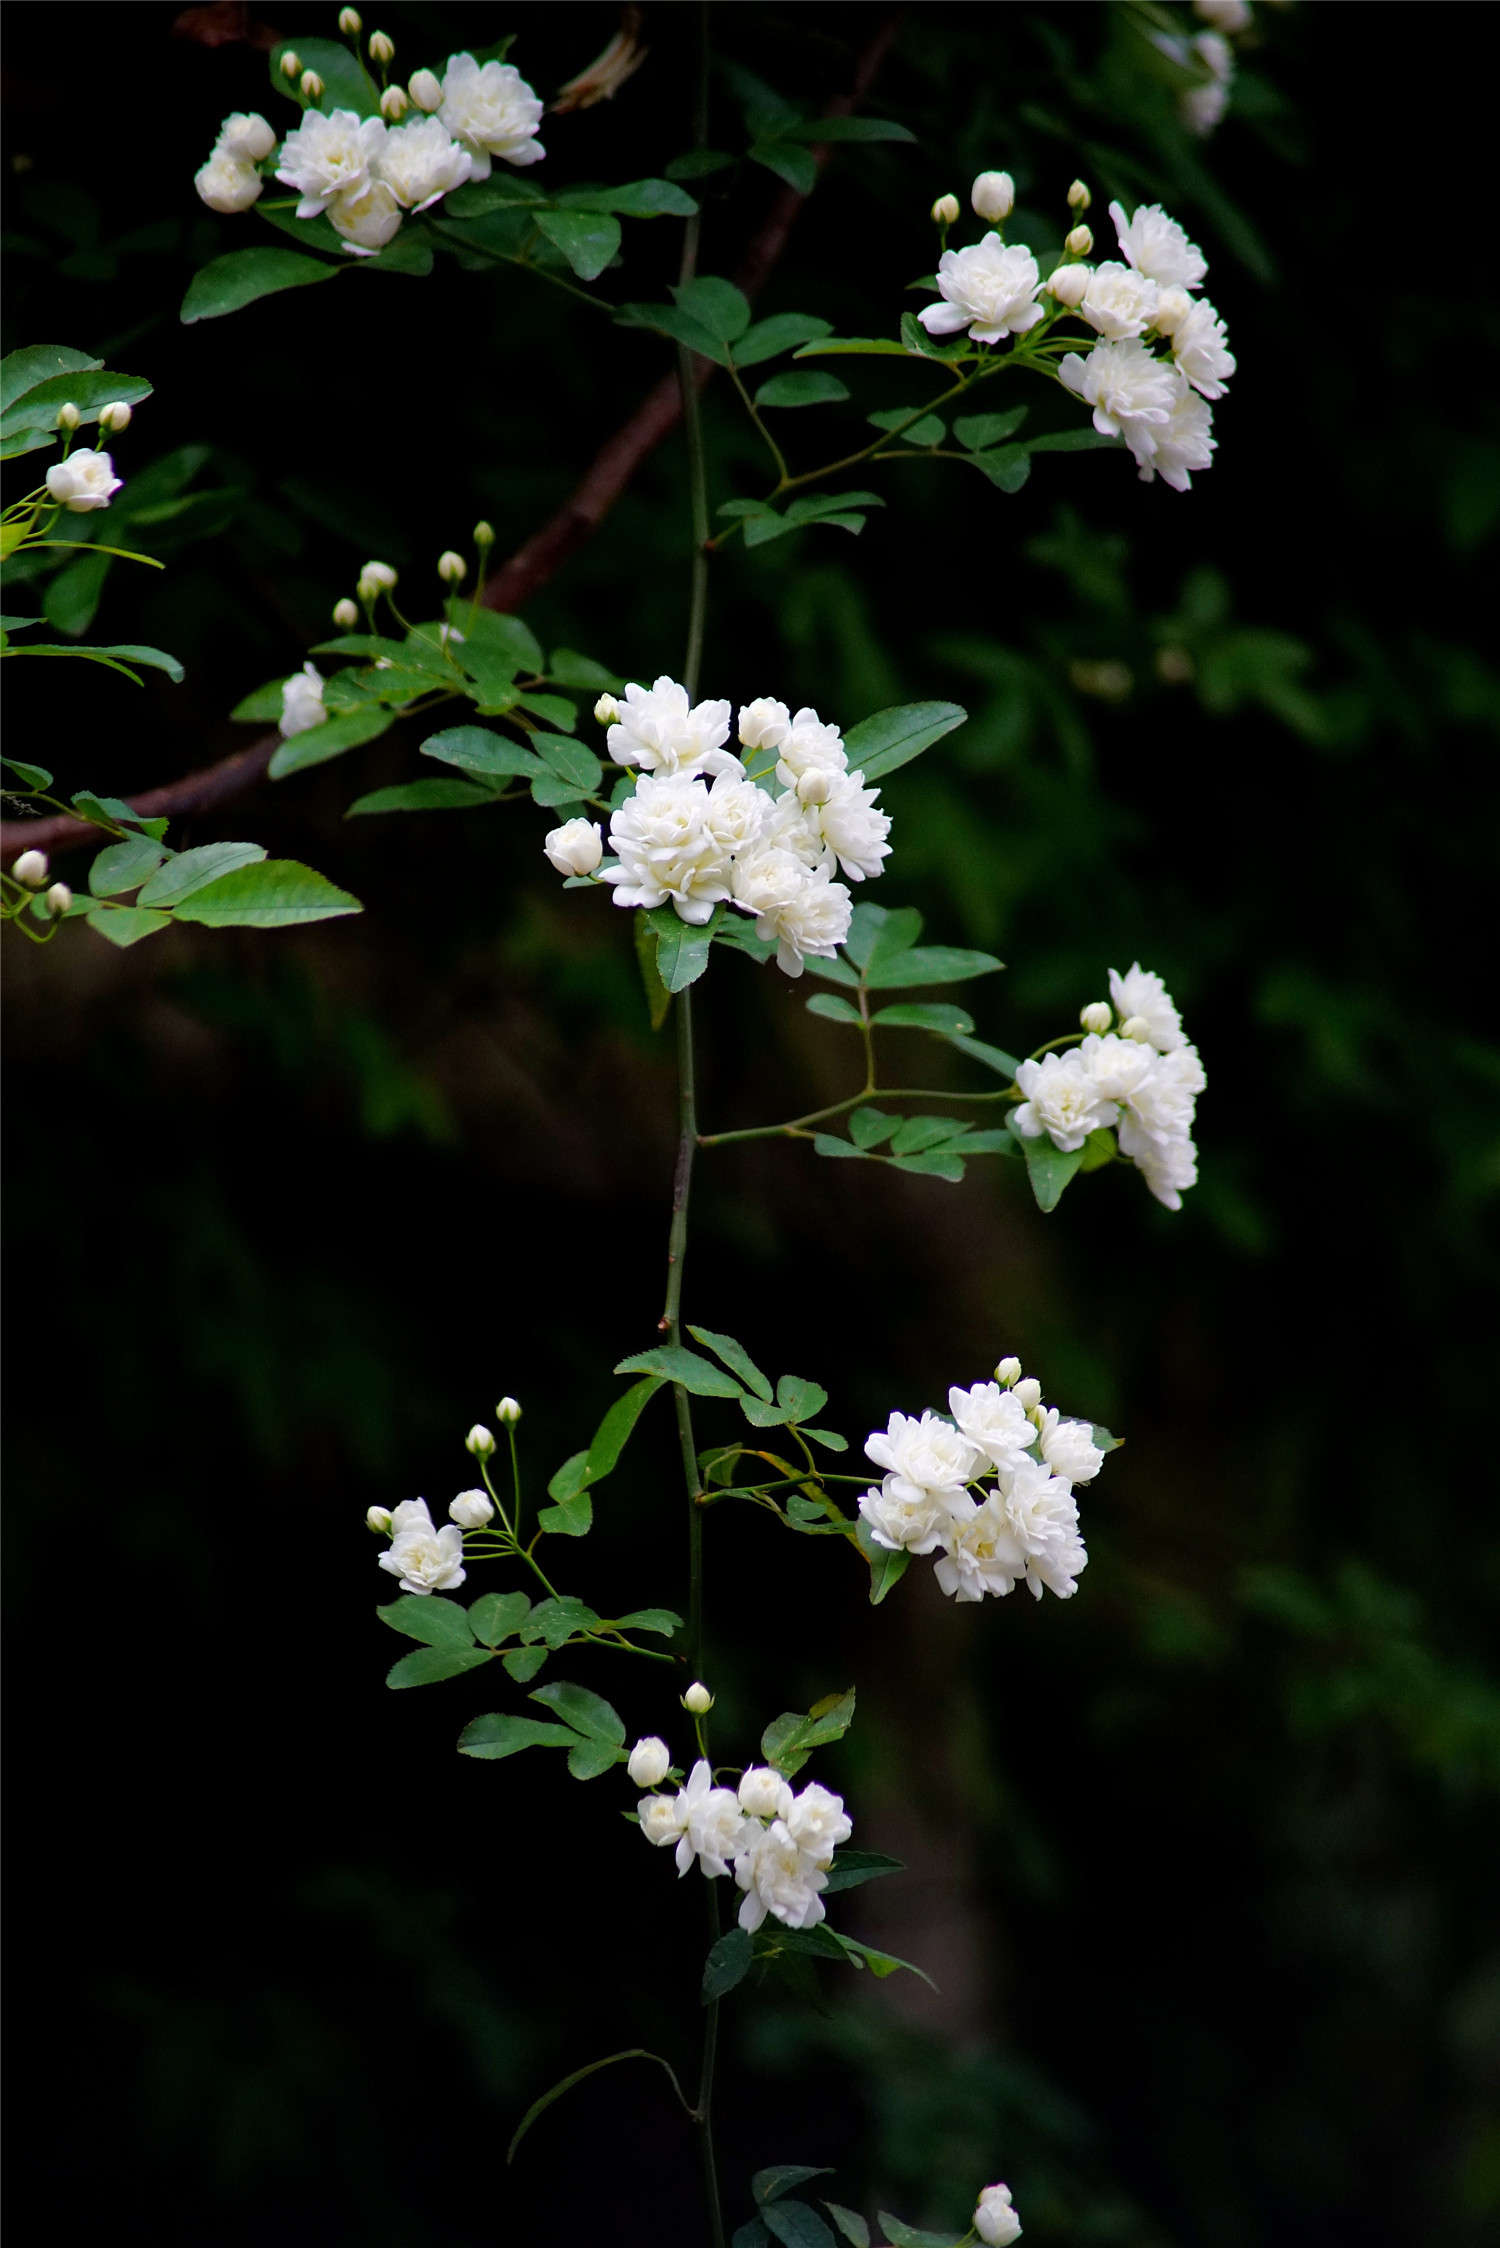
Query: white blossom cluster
367, 174
778, 1845
697, 832
989, 1490
1142, 1080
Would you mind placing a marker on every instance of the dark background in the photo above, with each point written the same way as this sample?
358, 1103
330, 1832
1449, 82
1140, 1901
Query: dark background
1203, 1861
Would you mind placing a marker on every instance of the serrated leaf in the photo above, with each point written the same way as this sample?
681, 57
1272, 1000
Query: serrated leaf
557, 1620
1098, 1149
930, 964
589, 1758
570, 761
682, 948
721, 308
852, 1868
993, 1057
1049, 1168
429, 1617
658, 998
809, 389
664, 1622
824, 1143
916, 341
928, 431
262, 706
124, 866
880, 932
796, 2226
829, 1438
790, 163
475, 749
735, 1357
770, 2185
34, 776
195, 869
570, 669
798, 1398
789, 1740
315, 745
899, 2235
818, 129
498, 1616
422, 796
272, 894
425, 1666
346, 82
918, 1132
782, 332
698, 1375
572, 1517
498, 1734
886, 1568
614, 1431
637, 199
587, 1713
523, 1663
728, 1963
889, 739
978, 432
227, 284
833, 1009
21, 371
946, 1021
940, 1163
1007, 469
669, 320
853, 347
869, 1126
850, 2223
125, 925
88, 390
1073, 441
589, 240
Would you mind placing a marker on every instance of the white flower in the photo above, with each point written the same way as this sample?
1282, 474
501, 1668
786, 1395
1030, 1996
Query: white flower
1131, 393
927, 1452
764, 723
988, 289
1042, 1515
993, 196
411, 1514
576, 847
804, 913
778, 1878
329, 157
737, 812
1224, 15
1068, 1448
1062, 1100
817, 1822
425, 1560
426, 89
995, 1420
492, 111
983, 1556
764, 1794
1201, 349
1117, 1065
377, 1517
367, 218
84, 481
1172, 308
713, 1825
1118, 302
1029, 1393
1157, 246
227, 184
661, 1819
421, 161
995, 2220
471, 1509
658, 730
650, 1761
1070, 284
1156, 1129
850, 823
697, 1701
904, 1518
302, 701
245, 136
667, 849
1201, 108
1141, 992
809, 745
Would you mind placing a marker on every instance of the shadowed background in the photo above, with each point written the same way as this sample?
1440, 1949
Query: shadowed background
1202, 1860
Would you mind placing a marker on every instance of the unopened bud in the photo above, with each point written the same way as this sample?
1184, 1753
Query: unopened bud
451, 567
378, 1518
68, 416
815, 786
607, 711
349, 23
1028, 1394
345, 614
393, 105
381, 48
471, 1510
1136, 1026
945, 210
310, 86
650, 1761
291, 65
1079, 197
484, 533
508, 1411
31, 868
993, 196
1080, 242
1070, 284
59, 898
479, 1441
116, 415
576, 847
1172, 308
1008, 1372
698, 1701
425, 89
381, 574
1097, 1016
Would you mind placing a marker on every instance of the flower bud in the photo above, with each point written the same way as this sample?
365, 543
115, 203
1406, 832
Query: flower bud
425, 89
68, 416
508, 1411
993, 196
1080, 242
1097, 1016
484, 533
1070, 284
310, 86
31, 868
349, 23
381, 47
1008, 1372
1079, 197
393, 105
576, 847
1028, 1394
451, 567
471, 1509
116, 415
698, 1701
345, 614
1136, 1026
607, 711
815, 786
378, 1518
650, 1762
291, 65
995, 2219
945, 210
763, 1793
59, 898
381, 574
660, 1819
1172, 307
479, 1441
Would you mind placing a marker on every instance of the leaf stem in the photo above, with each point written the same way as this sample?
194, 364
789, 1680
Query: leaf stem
801, 1124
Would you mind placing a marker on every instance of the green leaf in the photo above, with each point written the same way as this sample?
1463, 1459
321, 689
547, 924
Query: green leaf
869, 1126
810, 389
832, 1009
118, 658
919, 345
852, 1868
228, 283
735, 1356
614, 1431
908, 2236
886, 1568
193, 870
571, 1517
557, 1620
570, 669
728, 1963
794, 165
854, 347
125, 925
942, 1163
317, 744
770, 2185
663, 1621
682, 949
658, 998
571, 1478
262, 706
498, 1735
589, 1758
928, 431
1103, 1438
124, 866
589, 240
1073, 441
1049, 1168
919, 1132
22, 371
829, 1438
422, 796
824, 1143
637, 199
570, 761
416, 652
35, 776
817, 129
87, 391
1008, 468
796, 2226
698, 1375
273, 894
523, 1663
879, 932
587, 1713
670, 320
789, 1740
429, 1617
411, 252
498, 1616
477, 750
850, 2223
1098, 1149
346, 83
930, 964
946, 1021
782, 332
716, 304
888, 739
979, 431
425, 1666
798, 1398
993, 1057
697, 163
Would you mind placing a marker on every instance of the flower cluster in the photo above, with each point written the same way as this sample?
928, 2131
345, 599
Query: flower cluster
368, 173
778, 1845
937, 1495
698, 830
1142, 1081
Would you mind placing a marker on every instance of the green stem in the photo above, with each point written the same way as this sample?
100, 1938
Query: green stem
801, 1124
777, 455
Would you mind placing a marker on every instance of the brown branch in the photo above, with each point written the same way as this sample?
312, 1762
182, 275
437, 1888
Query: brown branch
535, 562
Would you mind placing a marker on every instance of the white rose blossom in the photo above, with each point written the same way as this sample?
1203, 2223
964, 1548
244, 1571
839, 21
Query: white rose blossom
802, 912
84, 481
852, 827
1141, 992
764, 1794
809, 745
1117, 1065
995, 2219
1119, 302
1068, 1447
328, 158
1131, 392
661, 1819
666, 848
367, 218
903, 1517
1184, 445
928, 1453
421, 161
227, 183
987, 288
779, 1879
576, 847
661, 732
302, 701
1200, 347
471, 1509
246, 136
995, 1421
764, 723
492, 111
817, 1822
1158, 247
650, 1761
1062, 1100
713, 1825
424, 1559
